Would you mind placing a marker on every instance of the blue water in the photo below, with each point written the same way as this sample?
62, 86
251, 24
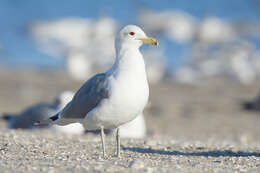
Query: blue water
20, 50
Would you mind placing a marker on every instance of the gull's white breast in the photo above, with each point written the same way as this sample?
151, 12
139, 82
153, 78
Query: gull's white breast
129, 95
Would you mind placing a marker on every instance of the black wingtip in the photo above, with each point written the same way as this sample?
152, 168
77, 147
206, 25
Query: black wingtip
48, 121
248, 106
55, 117
7, 117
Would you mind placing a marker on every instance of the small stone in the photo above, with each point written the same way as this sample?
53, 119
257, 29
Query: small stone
137, 164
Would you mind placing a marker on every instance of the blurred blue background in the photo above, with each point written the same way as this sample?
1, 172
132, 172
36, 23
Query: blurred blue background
15, 15
18, 46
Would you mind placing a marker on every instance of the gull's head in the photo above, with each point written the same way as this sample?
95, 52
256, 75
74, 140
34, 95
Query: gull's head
133, 36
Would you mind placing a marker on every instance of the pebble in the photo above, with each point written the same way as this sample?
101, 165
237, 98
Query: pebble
137, 164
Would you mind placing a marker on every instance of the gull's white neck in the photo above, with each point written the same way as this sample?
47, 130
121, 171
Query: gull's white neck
129, 60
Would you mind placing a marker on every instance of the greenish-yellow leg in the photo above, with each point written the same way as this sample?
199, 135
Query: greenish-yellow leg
103, 141
118, 142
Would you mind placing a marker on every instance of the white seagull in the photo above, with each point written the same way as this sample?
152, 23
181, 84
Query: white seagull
111, 99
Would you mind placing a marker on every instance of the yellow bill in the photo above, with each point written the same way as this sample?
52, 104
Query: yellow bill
149, 40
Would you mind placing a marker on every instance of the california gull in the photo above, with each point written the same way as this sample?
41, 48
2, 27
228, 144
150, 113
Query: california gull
111, 99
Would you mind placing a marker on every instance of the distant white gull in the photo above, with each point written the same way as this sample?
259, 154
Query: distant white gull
134, 129
111, 99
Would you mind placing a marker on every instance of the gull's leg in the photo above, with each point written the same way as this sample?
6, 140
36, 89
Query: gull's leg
103, 141
118, 142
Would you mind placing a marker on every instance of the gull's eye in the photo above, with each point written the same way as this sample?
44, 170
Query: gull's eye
132, 33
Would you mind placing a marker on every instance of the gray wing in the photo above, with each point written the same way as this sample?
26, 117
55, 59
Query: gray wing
87, 97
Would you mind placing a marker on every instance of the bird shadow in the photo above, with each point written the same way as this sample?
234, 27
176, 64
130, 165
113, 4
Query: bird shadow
213, 153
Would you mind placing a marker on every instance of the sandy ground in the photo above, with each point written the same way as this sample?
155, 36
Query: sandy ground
198, 128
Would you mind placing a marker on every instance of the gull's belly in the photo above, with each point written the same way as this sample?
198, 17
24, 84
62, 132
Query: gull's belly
130, 101
125, 103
